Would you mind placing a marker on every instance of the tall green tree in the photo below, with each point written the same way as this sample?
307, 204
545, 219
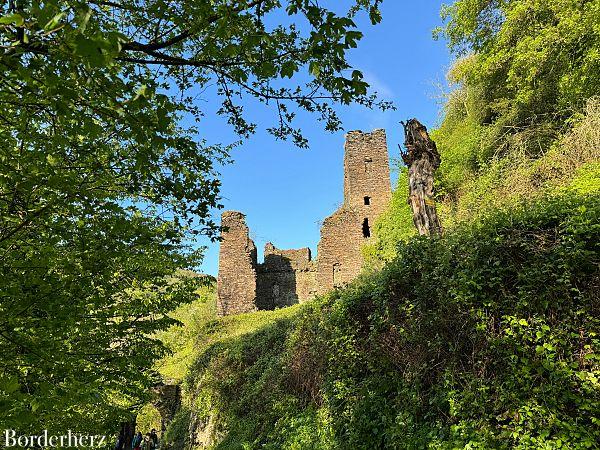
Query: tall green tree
525, 69
101, 188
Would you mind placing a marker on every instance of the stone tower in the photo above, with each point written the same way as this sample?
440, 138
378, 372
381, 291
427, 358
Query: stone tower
236, 284
367, 186
367, 193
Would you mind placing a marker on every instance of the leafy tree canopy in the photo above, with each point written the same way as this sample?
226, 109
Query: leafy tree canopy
527, 67
101, 186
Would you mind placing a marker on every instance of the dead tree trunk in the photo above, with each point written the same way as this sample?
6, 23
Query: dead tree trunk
422, 159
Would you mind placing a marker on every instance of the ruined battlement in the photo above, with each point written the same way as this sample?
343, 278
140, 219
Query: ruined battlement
297, 258
287, 277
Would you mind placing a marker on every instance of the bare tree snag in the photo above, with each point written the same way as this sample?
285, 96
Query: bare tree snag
422, 159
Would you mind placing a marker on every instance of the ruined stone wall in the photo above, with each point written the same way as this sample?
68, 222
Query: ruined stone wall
285, 278
339, 250
306, 282
367, 193
236, 283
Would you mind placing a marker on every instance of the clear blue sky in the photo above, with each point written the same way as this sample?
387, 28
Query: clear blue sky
286, 192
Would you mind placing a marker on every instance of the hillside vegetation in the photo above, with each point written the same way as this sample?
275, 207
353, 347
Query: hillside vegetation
523, 114
485, 338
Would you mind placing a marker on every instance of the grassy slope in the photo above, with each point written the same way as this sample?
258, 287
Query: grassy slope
201, 330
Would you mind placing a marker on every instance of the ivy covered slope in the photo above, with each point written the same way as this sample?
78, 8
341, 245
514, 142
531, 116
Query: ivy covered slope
487, 337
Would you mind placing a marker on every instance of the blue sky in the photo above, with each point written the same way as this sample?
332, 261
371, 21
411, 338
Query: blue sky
286, 192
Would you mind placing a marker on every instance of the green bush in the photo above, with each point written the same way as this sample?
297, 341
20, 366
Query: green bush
510, 178
485, 338
531, 64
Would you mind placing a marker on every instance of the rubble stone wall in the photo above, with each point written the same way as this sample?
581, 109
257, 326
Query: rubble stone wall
286, 277
367, 172
236, 284
340, 258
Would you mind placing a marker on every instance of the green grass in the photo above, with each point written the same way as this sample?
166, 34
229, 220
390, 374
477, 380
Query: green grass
201, 328
199, 333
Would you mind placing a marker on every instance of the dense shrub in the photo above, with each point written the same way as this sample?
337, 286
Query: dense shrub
512, 177
485, 338
531, 65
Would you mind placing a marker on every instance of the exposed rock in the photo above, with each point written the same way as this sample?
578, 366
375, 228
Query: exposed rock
167, 401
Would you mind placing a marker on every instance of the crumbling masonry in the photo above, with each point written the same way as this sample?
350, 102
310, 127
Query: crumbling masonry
291, 276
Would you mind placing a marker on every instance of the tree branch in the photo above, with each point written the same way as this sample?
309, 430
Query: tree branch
152, 46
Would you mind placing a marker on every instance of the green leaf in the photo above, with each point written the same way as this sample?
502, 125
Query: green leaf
54, 22
314, 68
9, 385
288, 69
84, 18
15, 19
53, 160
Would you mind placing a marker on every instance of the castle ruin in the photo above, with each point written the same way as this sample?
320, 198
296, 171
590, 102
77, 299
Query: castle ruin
287, 277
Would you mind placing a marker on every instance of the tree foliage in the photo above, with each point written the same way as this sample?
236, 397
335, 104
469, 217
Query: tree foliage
524, 84
101, 187
527, 67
